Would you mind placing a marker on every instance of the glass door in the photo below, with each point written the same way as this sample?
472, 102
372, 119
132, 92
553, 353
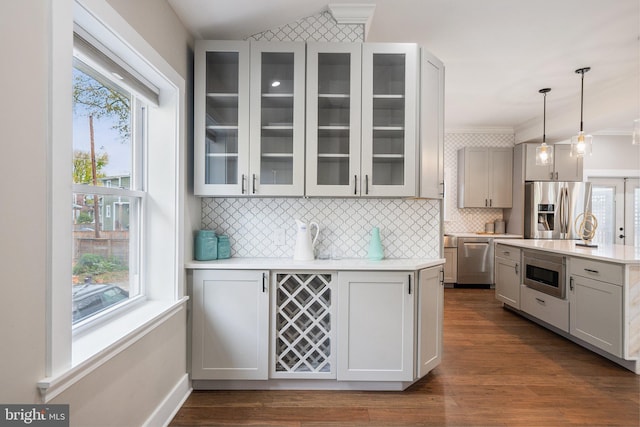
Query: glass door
277, 119
389, 114
615, 202
333, 119
222, 115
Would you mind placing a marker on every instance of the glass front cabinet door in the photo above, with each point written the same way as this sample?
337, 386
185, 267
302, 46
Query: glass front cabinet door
389, 117
221, 120
249, 118
277, 119
333, 119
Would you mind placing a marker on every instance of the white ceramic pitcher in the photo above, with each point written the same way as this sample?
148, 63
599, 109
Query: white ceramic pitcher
304, 244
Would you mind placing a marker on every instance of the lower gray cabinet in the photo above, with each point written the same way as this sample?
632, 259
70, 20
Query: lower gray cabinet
230, 329
376, 326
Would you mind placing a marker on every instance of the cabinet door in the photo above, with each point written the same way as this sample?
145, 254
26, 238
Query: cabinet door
473, 177
230, 332
451, 265
430, 318
221, 118
596, 313
500, 177
507, 278
431, 126
277, 119
333, 119
389, 118
376, 326
533, 172
566, 168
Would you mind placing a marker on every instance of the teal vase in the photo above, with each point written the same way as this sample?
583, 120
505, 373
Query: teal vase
376, 252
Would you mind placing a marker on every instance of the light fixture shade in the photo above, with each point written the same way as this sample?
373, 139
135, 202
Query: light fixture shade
544, 155
635, 138
581, 145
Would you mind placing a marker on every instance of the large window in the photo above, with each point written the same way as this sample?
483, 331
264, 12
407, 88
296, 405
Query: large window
108, 190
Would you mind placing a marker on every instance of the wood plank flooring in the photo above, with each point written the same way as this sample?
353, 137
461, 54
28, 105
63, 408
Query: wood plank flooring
498, 369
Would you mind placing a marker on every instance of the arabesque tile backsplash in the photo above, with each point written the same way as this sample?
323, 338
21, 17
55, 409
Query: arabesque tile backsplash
409, 228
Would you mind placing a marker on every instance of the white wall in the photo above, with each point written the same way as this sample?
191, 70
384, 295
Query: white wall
139, 378
613, 155
23, 191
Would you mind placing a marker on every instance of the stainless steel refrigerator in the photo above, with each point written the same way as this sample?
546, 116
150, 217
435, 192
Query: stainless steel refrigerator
551, 208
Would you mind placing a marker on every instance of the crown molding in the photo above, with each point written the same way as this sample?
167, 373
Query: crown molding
353, 13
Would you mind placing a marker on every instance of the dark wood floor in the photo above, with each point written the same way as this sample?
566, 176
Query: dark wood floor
498, 369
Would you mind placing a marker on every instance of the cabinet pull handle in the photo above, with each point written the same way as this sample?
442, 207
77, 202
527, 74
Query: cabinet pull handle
244, 178
517, 266
442, 276
490, 202
588, 270
409, 284
264, 282
551, 173
541, 301
506, 253
486, 203
254, 183
355, 185
442, 192
366, 184
571, 283
556, 176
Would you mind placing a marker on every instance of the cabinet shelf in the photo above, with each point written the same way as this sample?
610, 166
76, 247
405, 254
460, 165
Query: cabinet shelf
277, 155
225, 155
334, 127
333, 156
222, 127
389, 156
388, 128
277, 127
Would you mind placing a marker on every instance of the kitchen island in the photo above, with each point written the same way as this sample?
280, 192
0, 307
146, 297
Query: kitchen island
597, 303
272, 323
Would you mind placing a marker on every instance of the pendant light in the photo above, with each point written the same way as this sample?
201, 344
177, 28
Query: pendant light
544, 153
581, 143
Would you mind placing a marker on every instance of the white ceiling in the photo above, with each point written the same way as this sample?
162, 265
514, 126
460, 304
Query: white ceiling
497, 54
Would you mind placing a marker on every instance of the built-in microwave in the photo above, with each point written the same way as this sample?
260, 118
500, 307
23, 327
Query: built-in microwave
545, 272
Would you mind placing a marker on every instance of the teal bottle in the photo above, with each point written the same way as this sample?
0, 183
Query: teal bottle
224, 247
376, 252
206, 245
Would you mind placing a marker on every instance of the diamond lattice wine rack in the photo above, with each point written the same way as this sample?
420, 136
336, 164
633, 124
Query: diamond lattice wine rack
303, 334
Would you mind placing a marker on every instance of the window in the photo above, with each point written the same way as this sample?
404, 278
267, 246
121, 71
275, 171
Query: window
109, 122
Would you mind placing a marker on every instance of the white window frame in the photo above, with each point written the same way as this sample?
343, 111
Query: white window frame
70, 358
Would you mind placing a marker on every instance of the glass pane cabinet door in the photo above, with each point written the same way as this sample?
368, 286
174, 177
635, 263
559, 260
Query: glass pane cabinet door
333, 119
389, 114
277, 119
221, 118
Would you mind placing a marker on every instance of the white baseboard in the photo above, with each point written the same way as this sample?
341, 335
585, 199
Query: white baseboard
168, 408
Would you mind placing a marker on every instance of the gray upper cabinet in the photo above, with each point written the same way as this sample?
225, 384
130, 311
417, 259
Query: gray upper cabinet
485, 177
563, 168
431, 126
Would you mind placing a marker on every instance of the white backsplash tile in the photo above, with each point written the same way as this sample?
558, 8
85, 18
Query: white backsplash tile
409, 228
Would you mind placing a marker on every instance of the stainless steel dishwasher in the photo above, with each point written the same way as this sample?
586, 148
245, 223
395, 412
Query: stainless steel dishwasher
475, 261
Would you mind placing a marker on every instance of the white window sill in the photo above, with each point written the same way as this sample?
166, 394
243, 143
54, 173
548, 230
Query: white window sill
94, 348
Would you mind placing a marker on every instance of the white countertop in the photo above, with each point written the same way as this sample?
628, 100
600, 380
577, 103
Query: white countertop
410, 264
613, 253
483, 234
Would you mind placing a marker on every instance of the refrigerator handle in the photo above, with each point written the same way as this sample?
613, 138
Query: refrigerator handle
565, 208
561, 213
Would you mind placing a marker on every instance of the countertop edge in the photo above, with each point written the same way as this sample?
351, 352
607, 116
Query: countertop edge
617, 254
356, 264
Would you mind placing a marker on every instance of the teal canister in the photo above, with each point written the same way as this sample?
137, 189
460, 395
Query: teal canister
376, 252
224, 247
206, 245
